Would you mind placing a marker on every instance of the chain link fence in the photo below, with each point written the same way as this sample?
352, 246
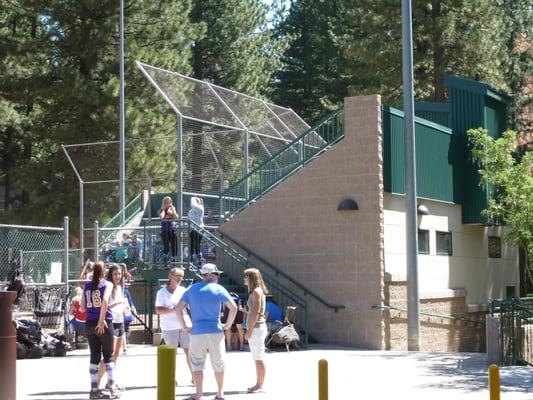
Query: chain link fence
31, 248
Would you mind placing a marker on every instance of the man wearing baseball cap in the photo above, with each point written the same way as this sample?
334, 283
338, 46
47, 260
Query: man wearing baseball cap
205, 299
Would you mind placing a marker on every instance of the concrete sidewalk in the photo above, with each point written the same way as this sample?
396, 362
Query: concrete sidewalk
353, 374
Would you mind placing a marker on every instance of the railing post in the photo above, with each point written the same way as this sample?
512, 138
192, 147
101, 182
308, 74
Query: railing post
323, 392
21, 258
65, 249
494, 382
166, 372
81, 223
149, 197
246, 164
96, 241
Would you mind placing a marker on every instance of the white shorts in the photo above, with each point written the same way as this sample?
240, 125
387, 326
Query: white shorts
177, 337
257, 342
202, 344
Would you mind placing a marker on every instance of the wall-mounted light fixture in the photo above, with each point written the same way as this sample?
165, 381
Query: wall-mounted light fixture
348, 205
422, 210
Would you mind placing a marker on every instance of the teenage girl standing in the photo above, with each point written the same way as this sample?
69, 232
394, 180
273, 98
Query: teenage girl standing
256, 324
116, 304
99, 331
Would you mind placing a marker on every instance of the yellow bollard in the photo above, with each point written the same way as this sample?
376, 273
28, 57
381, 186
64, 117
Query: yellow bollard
494, 382
166, 372
322, 380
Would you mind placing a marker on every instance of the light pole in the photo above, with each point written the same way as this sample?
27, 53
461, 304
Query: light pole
122, 155
413, 312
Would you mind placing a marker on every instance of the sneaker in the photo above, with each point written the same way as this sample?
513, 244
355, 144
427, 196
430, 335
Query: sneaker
115, 392
98, 394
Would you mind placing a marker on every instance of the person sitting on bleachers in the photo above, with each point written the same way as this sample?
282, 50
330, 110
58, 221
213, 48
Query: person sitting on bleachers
273, 314
135, 251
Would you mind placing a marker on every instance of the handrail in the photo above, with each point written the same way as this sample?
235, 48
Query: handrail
241, 259
269, 280
304, 152
126, 211
288, 145
450, 317
278, 271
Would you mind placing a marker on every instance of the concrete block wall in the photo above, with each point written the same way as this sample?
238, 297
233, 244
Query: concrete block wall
436, 334
339, 255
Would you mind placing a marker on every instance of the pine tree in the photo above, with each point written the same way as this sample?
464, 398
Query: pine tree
238, 50
78, 99
518, 36
461, 37
23, 59
311, 80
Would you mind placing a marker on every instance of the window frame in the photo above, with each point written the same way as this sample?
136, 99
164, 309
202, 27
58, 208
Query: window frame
449, 252
425, 231
499, 255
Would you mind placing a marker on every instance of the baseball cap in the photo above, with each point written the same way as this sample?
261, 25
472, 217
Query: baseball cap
210, 269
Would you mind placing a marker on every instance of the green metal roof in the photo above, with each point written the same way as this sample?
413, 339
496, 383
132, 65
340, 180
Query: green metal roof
475, 87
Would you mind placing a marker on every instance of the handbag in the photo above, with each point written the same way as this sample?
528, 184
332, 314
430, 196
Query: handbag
285, 335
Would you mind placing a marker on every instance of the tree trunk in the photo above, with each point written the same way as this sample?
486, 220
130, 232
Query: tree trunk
526, 281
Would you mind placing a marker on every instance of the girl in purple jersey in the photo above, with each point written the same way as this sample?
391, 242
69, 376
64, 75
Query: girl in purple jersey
95, 302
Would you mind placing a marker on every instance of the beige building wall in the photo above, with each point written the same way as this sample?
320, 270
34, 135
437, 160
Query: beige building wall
339, 255
468, 268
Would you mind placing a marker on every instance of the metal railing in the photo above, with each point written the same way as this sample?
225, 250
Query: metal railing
290, 158
234, 263
516, 330
279, 273
475, 322
130, 210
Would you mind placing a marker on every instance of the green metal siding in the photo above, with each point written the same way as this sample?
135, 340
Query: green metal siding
434, 112
495, 117
474, 105
436, 157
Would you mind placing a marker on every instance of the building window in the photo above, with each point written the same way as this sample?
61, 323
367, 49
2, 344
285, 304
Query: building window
495, 247
510, 291
444, 243
423, 241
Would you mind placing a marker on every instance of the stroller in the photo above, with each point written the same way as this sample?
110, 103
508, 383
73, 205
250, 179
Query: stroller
286, 334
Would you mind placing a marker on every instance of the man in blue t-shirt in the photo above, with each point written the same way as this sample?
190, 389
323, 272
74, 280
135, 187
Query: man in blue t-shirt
207, 332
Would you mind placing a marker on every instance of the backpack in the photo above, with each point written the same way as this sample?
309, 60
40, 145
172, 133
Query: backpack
28, 332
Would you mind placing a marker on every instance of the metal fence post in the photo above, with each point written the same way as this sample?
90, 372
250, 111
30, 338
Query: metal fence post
96, 242
21, 261
81, 222
65, 249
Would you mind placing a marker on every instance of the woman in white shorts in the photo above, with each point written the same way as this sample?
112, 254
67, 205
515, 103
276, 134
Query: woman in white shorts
166, 301
256, 324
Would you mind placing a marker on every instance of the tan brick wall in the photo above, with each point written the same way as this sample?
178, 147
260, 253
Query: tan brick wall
339, 255
436, 334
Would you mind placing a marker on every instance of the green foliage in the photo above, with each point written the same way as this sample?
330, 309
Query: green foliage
511, 178
518, 63
460, 37
311, 80
343, 47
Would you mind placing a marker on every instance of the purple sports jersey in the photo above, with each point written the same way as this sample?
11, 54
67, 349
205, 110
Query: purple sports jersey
93, 301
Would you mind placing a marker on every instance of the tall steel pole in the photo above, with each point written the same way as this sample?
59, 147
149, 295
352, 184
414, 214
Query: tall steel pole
179, 194
122, 155
413, 312
82, 217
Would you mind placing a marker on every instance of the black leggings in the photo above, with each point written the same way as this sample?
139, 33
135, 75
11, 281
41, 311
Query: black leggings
196, 239
99, 344
169, 240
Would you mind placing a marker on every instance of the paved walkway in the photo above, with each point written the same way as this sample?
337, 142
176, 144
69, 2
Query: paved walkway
353, 374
